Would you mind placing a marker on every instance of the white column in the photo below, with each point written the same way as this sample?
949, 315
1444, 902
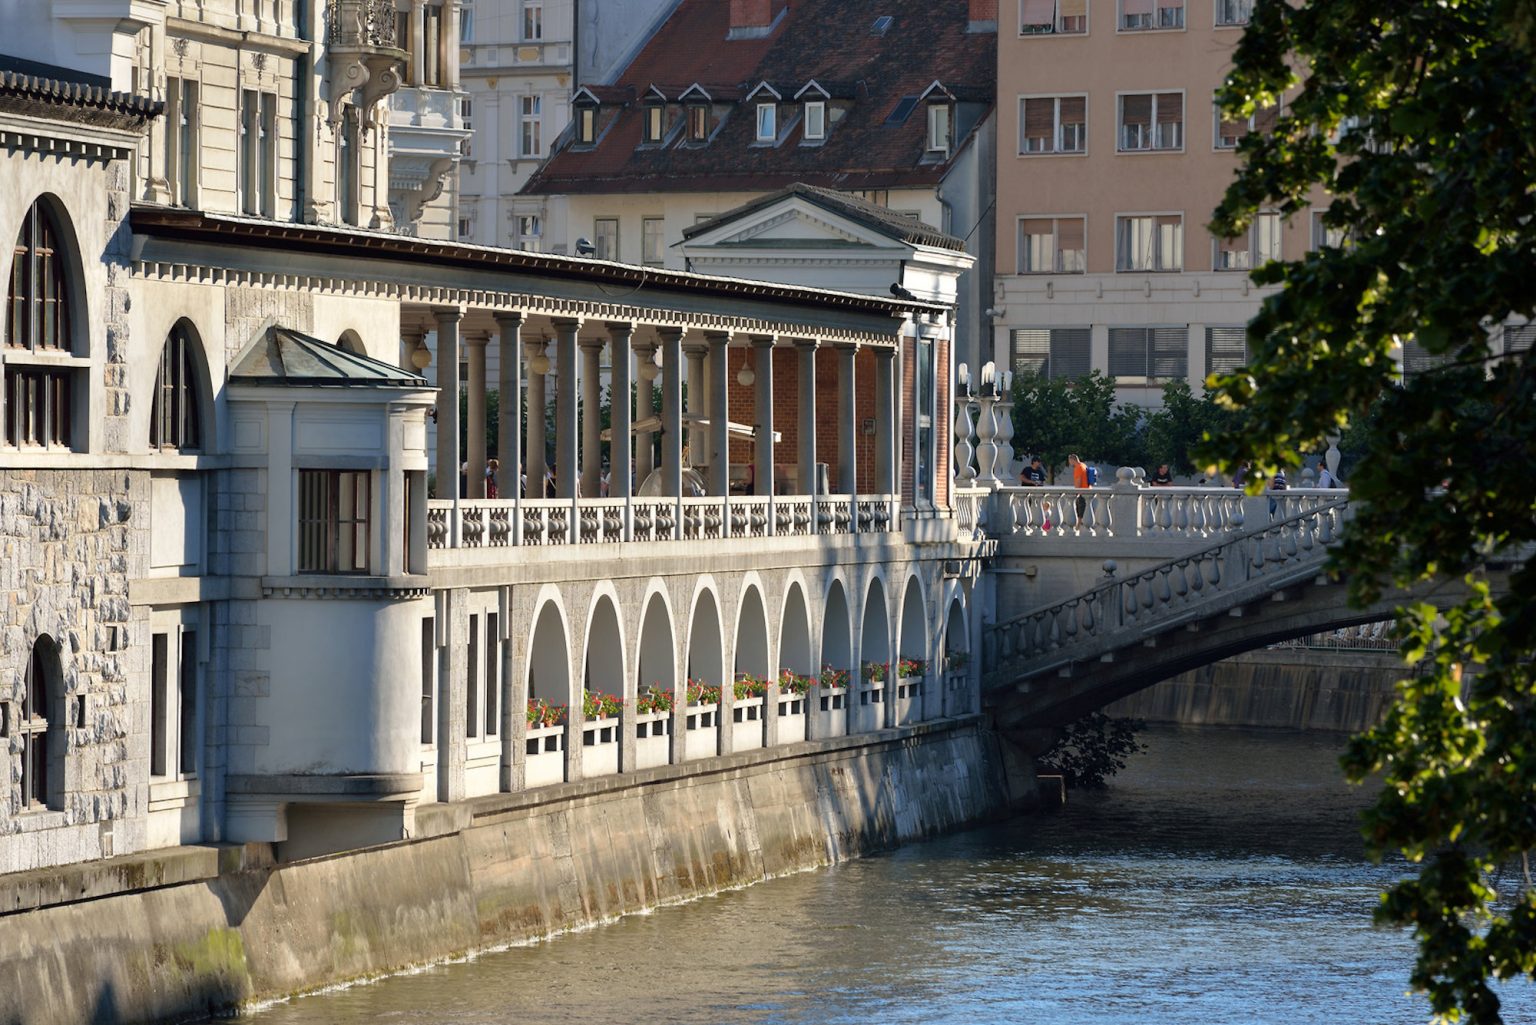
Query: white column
719, 414
565, 407
418, 40
474, 448
672, 412
591, 417
448, 413
645, 408
806, 349
534, 455
762, 399
697, 402
619, 483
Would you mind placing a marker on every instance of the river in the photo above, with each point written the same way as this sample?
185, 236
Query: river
1219, 880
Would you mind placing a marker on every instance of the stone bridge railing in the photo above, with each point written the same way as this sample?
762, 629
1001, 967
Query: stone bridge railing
1242, 566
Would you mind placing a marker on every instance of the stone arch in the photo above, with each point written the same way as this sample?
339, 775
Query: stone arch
957, 632
183, 354
656, 662
836, 628
603, 662
795, 652
549, 655
76, 304
39, 729
875, 631
913, 641
751, 650
706, 658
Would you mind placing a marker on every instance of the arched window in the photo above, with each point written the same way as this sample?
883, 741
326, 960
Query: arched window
37, 729
37, 396
175, 413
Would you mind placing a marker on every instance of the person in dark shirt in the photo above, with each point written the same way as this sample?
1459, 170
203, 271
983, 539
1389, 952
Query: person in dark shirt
1033, 475
1162, 478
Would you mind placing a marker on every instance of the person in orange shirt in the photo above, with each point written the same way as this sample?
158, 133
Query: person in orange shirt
1079, 479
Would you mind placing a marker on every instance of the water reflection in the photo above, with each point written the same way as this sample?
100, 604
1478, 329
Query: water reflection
1220, 881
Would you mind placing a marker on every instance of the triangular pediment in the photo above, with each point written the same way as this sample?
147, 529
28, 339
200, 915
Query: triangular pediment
794, 224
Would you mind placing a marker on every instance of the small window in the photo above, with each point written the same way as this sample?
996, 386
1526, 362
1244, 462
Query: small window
1053, 17
767, 122
492, 674
1257, 246
533, 20
333, 521
173, 745
530, 231
698, 123
1147, 15
472, 684
655, 119
39, 730
181, 150
586, 125
881, 25
938, 127
257, 167
467, 122
1053, 124
605, 238
1226, 349
428, 680
1052, 245
652, 241
1324, 234
531, 116
1056, 352
432, 46
1233, 12
466, 24
1151, 121
1150, 353
1149, 242
1230, 132
815, 119
174, 420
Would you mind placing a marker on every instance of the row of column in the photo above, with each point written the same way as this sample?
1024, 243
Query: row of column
708, 431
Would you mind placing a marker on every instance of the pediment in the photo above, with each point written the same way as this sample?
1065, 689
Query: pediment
795, 225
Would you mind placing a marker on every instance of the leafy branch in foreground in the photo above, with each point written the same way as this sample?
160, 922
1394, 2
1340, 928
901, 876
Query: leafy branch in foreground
1091, 750
1413, 122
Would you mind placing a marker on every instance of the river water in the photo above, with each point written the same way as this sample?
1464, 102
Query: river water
1218, 881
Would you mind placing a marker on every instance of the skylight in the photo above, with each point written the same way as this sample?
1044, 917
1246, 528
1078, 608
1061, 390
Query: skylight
881, 24
902, 111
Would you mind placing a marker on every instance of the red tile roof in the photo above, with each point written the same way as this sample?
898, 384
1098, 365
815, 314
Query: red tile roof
830, 41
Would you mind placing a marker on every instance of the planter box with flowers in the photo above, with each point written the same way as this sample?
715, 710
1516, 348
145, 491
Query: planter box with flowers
653, 727
703, 721
600, 733
748, 711
957, 683
910, 674
870, 712
832, 707
545, 763
793, 695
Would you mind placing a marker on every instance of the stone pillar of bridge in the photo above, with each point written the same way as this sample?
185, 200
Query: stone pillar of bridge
474, 435
565, 408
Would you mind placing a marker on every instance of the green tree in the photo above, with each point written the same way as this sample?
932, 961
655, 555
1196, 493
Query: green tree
1415, 120
1054, 417
1175, 431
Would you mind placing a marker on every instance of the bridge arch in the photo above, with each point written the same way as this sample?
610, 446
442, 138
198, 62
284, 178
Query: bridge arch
875, 632
751, 649
706, 658
915, 639
795, 632
549, 663
656, 662
837, 629
603, 665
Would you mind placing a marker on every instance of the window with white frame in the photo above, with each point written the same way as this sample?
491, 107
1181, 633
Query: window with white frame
1151, 121
181, 145
36, 402
1324, 234
1053, 124
533, 20
939, 127
652, 239
1233, 12
466, 24
334, 508
530, 231
586, 124
767, 122
1254, 248
1053, 17
815, 120
605, 238
1226, 349
1230, 132
175, 419
1052, 245
467, 122
531, 118
1151, 353
1149, 242
1151, 15
173, 702
1053, 352
698, 122
257, 166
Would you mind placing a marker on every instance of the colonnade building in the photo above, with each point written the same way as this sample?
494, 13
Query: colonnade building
258, 583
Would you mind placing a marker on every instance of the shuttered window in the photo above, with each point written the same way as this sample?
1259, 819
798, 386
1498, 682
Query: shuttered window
1058, 352
1153, 353
1226, 349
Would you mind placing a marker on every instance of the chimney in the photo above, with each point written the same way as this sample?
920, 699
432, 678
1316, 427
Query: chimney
983, 16
754, 19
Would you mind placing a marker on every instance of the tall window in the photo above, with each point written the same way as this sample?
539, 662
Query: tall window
655, 122
174, 420
472, 685
466, 24
652, 239
492, 674
815, 120
586, 125
1233, 12
1047, 17
767, 122
926, 380
530, 231
531, 118
258, 153
938, 127
1053, 124
467, 122
533, 20
1055, 352
1052, 245
181, 140
1140, 15
37, 397
1256, 247
605, 238
38, 728
1151, 121
428, 680
1160, 353
698, 123
173, 704
1230, 132
333, 521
1149, 242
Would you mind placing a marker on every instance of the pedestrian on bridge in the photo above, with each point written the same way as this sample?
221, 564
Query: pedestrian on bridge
1079, 480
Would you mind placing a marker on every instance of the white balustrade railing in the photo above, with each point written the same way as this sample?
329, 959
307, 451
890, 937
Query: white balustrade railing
1142, 512
1162, 594
497, 523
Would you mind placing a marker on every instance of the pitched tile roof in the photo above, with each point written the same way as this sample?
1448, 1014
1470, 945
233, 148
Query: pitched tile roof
60, 93
831, 41
881, 219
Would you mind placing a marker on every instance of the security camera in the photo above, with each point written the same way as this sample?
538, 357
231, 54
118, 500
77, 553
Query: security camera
584, 247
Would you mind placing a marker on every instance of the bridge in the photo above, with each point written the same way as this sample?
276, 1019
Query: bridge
1245, 573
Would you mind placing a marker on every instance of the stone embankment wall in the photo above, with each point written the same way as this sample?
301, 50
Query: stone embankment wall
1292, 688
153, 938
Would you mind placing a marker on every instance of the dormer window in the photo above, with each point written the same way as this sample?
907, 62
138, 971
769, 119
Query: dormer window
815, 119
655, 122
586, 125
938, 127
767, 122
698, 123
